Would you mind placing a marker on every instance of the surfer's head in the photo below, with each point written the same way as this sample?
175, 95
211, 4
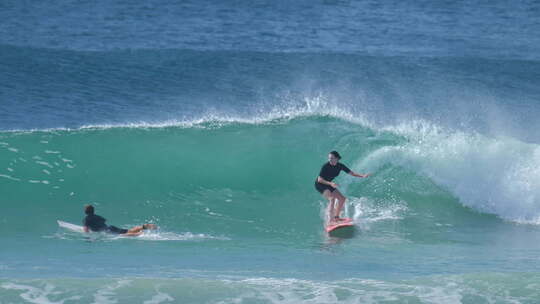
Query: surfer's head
334, 157
89, 209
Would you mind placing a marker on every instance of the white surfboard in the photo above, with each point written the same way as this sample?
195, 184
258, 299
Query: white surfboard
70, 226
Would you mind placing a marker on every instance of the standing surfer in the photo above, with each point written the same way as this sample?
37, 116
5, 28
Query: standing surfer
328, 189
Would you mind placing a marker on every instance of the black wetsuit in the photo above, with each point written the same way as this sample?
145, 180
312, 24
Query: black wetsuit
96, 223
328, 173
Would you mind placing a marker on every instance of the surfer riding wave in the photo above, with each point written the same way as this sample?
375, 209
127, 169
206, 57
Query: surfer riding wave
328, 189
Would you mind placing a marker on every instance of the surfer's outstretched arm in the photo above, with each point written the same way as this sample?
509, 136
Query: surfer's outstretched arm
359, 175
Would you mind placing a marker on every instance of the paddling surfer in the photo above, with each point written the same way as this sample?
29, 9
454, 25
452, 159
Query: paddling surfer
328, 189
96, 223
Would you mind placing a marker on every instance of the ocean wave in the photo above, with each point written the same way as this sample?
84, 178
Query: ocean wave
492, 175
315, 107
59, 90
467, 288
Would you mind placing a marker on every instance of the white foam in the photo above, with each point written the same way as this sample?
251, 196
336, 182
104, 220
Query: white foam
363, 210
37, 295
452, 289
347, 291
44, 163
10, 177
493, 175
104, 295
310, 106
147, 235
432, 290
171, 236
160, 297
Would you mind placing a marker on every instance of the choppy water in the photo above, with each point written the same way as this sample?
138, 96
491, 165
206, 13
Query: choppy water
212, 120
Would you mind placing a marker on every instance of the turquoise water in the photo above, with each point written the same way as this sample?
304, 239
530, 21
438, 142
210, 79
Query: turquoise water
212, 120
238, 211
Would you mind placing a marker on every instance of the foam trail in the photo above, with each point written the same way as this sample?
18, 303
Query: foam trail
362, 210
171, 236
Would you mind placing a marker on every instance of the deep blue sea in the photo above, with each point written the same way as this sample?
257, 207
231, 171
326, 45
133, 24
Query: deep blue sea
212, 120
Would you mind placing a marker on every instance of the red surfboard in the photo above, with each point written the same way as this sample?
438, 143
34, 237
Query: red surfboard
345, 223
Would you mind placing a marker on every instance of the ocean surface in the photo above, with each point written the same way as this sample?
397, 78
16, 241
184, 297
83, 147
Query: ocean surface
212, 120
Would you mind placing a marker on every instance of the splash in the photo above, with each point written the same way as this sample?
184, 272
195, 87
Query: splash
500, 175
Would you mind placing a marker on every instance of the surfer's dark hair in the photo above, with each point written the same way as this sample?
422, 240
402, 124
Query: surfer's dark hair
336, 154
89, 209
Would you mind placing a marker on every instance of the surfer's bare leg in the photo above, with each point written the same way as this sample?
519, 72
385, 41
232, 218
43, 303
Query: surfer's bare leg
139, 229
340, 201
330, 197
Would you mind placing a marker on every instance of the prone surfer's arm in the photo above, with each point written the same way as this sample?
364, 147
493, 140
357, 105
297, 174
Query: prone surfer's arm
321, 180
358, 175
85, 228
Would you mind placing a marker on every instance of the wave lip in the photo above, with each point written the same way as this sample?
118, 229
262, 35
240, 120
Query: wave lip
499, 176
318, 106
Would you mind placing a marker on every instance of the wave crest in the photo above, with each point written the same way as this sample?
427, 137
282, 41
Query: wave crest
500, 175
